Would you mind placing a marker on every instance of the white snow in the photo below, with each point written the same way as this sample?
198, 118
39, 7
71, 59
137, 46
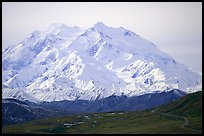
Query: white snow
69, 63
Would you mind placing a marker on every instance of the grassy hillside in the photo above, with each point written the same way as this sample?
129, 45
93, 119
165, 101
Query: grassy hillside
189, 106
141, 122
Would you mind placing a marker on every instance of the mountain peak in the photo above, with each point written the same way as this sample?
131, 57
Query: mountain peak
99, 24
57, 25
60, 26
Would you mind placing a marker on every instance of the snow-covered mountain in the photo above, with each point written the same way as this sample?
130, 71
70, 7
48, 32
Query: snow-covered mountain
70, 63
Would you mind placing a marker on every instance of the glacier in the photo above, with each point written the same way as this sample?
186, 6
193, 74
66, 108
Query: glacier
72, 63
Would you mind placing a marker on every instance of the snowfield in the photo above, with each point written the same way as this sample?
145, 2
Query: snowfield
70, 63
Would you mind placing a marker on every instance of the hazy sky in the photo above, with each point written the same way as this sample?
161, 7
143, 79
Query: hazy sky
175, 28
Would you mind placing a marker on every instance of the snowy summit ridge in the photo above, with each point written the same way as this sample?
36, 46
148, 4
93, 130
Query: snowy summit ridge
69, 63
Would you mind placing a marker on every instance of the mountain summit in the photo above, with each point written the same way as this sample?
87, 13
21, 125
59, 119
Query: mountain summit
69, 63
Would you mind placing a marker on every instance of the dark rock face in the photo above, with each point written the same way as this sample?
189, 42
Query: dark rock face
115, 103
15, 111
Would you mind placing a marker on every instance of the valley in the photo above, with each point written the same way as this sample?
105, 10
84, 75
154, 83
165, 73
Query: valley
165, 119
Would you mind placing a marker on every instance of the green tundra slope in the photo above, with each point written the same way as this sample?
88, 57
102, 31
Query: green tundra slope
180, 117
189, 107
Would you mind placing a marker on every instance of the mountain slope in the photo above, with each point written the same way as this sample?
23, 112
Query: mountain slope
189, 106
14, 112
115, 103
142, 122
69, 63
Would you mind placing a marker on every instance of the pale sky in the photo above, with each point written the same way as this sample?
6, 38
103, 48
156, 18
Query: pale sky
174, 27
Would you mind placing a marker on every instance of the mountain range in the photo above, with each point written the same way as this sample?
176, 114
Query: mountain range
60, 65
69, 63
